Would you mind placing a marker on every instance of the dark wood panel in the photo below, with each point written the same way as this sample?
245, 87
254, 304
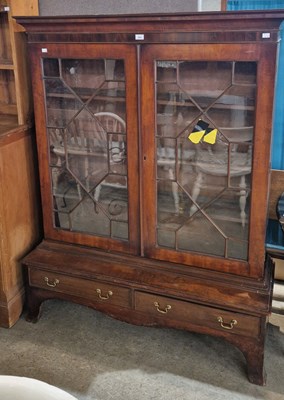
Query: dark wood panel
165, 37
168, 308
207, 287
213, 21
87, 289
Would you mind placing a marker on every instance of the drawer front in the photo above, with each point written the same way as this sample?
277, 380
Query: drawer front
87, 289
178, 310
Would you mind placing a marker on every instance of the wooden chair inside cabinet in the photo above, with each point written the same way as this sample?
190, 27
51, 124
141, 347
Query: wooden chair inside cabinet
101, 137
167, 155
228, 158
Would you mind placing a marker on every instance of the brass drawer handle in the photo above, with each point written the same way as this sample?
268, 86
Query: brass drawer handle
226, 325
108, 295
166, 309
51, 284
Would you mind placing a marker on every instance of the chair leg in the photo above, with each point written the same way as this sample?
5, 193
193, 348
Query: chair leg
97, 195
195, 192
87, 173
243, 199
79, 191
174, 191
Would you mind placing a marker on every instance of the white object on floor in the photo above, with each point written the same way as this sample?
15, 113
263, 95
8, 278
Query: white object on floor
278, 291
16, 387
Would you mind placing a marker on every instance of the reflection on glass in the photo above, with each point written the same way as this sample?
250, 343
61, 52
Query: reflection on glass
204, 145
175, 110
204, 81
191, 236
109, 98
244, 72
237, 249
86, 130
239, 103
61, 104
83, 76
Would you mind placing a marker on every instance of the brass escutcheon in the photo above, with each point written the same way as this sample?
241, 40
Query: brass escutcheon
51, 284
226, 325
108, 295
166, 309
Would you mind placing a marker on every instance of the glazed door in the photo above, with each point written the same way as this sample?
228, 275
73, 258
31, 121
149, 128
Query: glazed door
206, 154
87, 143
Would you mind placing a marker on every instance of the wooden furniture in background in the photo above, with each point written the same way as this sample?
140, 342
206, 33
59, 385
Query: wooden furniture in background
19, 222
19, 208
223, 5
136, 251
15, 93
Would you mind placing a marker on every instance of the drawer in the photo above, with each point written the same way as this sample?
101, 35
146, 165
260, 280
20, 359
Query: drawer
190, 313
84, 288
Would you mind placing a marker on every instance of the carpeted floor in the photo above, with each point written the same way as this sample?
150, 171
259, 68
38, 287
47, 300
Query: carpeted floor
95, 357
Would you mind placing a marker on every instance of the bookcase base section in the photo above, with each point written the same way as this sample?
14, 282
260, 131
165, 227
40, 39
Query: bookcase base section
50, 276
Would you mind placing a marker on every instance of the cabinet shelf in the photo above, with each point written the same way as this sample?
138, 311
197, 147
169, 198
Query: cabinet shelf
159, 102
10, 109
8, 122
86, 97
204, 106
6, 65
15, 90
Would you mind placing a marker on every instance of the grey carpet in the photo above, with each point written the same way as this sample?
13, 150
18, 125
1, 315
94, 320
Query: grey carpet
95, 357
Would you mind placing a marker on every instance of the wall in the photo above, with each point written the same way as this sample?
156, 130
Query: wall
81, 7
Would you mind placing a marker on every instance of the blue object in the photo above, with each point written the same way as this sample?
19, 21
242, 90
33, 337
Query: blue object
274, 236
277, 157
234, 5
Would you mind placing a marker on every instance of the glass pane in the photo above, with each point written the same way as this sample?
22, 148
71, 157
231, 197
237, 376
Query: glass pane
66, 196
166, 158
237, 249
166, 71
111, 195
175, 110
245, 72
168, 202
174, 205
62, 220
86, 149
87, 141
200, 233
90, 219
117, 154
204, 145
83, 76
111, 199
51, 67
119, 229
238, 102
240, 165
166, 238
228, 210
110, 97
61, 104
205, 81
